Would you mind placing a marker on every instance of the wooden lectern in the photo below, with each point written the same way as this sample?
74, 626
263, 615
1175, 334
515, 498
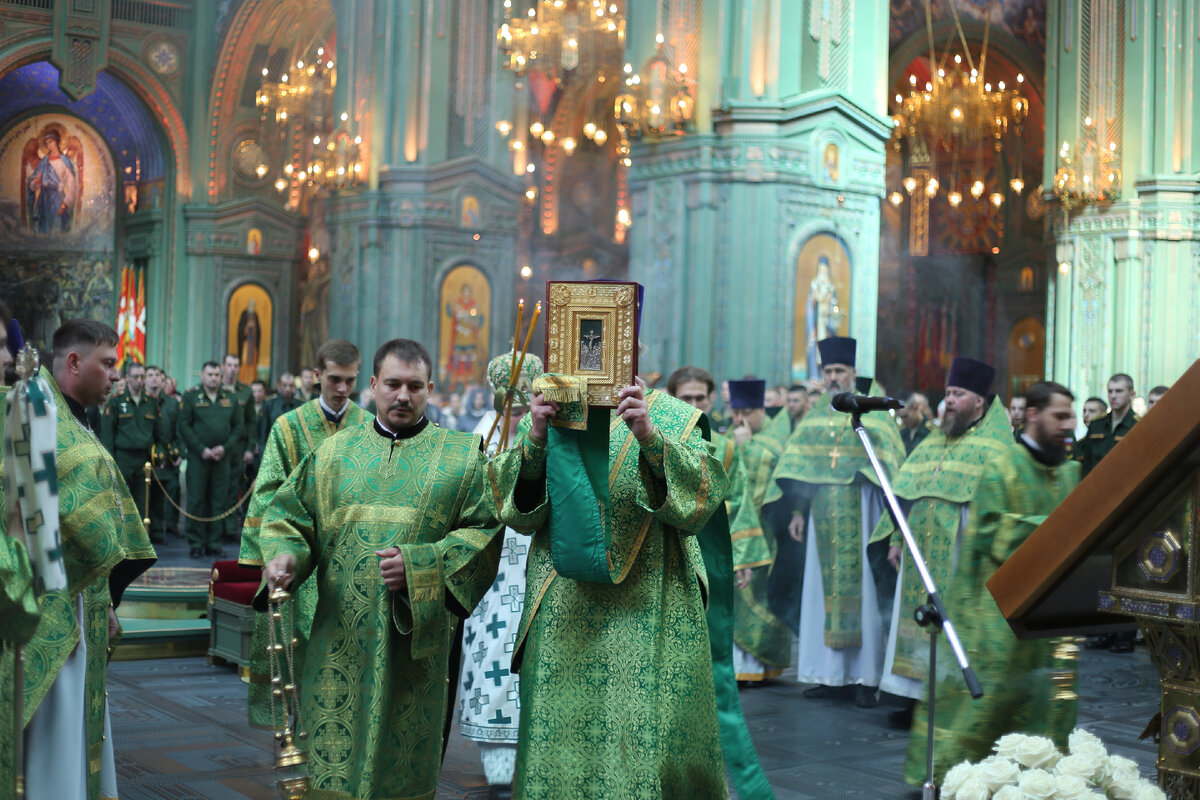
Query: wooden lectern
1125, 547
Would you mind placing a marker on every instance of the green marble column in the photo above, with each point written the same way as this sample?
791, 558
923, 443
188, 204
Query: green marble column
720, 215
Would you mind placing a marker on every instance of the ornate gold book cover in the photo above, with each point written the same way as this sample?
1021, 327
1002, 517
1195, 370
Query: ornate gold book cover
592, 332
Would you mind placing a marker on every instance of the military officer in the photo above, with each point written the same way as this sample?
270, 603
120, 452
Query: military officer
129, 429
168, 455
1106, 430
212, 426
242, 453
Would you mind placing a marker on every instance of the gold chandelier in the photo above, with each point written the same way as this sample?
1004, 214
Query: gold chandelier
1090, 176
946, 126
657, 101
311, 152
569, 35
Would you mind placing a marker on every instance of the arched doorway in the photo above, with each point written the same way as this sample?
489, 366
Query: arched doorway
1026, 354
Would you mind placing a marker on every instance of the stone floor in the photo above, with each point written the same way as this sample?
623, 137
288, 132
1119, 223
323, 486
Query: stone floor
180, 733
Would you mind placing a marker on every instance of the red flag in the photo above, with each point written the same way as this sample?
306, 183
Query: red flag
122, 315
139, 320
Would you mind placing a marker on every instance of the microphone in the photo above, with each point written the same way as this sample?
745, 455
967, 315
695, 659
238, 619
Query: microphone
860, 404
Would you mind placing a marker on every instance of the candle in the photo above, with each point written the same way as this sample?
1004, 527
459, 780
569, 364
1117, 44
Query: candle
512, 377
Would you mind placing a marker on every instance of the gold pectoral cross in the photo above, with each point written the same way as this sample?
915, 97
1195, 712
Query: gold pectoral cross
834, 455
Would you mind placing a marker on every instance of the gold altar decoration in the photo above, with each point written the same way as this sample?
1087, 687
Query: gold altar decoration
1091, 173
946, 124
308, 150
592, 333
291, 763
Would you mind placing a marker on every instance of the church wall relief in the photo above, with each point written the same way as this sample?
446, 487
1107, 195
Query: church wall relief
465, 305
249, 327
57, 217
822, 306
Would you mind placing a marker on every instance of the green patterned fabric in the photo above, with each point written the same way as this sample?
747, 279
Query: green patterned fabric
756, 630
1028, 685
750, 548
741, 759
375, 675
938, 479
825, 453
617, 692
18, 607
293, 436
105, 547
824, 449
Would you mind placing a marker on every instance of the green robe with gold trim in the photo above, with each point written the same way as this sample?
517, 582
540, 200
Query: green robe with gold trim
828, 465
757, 631
105, 547
1029, 686
293, 436
937, 480
375, 680
617, 692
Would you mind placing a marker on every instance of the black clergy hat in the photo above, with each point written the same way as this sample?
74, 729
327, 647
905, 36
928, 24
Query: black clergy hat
971, 374
837, 350
747, 394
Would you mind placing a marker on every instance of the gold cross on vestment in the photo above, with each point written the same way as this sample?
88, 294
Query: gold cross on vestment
834, 455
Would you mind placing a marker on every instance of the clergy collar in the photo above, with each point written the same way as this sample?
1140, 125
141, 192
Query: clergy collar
407, 433
330, 414
77, 410
1041, 455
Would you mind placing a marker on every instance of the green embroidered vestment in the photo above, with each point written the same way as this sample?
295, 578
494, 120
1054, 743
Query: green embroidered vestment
617, 693
293, 436
1028, 685
826, 461
105, 547
375, 677
938, 479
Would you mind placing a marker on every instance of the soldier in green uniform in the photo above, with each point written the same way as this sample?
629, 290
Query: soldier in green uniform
1102, 435
278, 404
167, 456
212, 426
1107, 429
129, 430
241, 455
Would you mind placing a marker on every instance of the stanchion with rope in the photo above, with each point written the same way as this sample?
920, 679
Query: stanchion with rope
150, 471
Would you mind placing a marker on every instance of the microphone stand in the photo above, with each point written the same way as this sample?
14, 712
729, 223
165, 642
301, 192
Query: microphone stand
931, 615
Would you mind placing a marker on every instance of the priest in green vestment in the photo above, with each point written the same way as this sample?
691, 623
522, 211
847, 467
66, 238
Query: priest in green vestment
617, 691
394, 523
935, 486
762, 642
836, 502
292, 437
68, 749
1028, 686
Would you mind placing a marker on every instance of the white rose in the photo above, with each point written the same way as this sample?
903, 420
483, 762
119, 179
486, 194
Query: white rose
1081, 738
997, 771
1090, 751
955, 777
1078, 765
1007, 744
1148, 791
1036, 752
1125, 786
1037, 784
1115, 764
1071, 787
972, 789
1009, 793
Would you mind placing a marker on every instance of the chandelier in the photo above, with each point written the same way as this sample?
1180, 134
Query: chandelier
1092, 176
565, 35
659, 104
955, 126
311, 153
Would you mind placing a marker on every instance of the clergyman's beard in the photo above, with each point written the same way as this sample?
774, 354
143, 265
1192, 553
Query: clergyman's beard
1055, 450
959, 424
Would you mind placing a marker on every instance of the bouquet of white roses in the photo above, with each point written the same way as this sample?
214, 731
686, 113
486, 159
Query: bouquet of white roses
1032, 768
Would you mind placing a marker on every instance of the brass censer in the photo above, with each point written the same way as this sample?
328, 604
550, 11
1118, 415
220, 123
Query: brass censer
291, 763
